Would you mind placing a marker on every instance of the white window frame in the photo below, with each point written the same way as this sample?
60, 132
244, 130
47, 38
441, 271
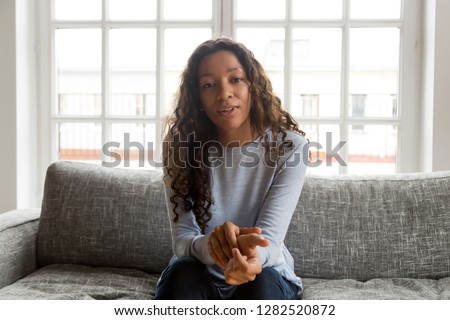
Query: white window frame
225, 24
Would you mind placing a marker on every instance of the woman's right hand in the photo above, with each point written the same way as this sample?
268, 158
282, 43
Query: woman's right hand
223, 239
245, 265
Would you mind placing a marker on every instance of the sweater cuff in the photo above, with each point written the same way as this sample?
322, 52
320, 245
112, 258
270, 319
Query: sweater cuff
263, 254
200, 250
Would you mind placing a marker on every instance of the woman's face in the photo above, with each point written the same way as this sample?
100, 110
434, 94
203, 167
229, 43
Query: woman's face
225, 96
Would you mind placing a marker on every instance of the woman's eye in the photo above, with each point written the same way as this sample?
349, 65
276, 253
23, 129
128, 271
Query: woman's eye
208, 85
237, 79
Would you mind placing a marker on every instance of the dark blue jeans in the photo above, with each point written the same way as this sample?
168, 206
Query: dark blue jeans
188, 279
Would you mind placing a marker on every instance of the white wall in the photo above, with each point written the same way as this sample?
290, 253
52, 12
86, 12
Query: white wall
426, 123
8, 182
26, 104
435, 111
441, 116
18, 106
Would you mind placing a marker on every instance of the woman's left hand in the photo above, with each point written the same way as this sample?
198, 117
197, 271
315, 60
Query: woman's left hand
223, 239
245, 264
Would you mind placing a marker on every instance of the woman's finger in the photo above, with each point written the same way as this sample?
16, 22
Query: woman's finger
249, 267
234, 274
247, 243
256, 230
240, 260
221, 244
216, 252
231, 232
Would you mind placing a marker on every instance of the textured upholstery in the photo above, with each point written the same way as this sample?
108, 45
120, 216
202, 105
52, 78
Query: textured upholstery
394, 226
77, 282
18, 232
376, 289
103, 217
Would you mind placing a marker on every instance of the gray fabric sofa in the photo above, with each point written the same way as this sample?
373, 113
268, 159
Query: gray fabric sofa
103, 234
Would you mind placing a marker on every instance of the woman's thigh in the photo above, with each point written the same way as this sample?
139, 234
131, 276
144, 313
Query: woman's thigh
268, 285
186, 278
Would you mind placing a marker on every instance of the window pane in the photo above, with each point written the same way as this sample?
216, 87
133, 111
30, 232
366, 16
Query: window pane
187, 10
260, 9
374, 64
268, 47
178, 47
317, 9
372, 149
137, 144
78, 9
133, 71
316, 76
379, 9
319, 136
80, 104
132, 9
80, 142
78, 67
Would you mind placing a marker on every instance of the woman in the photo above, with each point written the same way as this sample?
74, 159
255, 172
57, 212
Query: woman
234, 169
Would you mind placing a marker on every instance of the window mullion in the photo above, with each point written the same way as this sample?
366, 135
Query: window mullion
228, 14
217, 18
106, 134
408, 93
159, 86
345, 74
53, 96
288, 66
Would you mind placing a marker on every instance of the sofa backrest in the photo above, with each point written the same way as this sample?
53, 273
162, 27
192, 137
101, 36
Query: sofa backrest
343, 227
373, 227
97, 216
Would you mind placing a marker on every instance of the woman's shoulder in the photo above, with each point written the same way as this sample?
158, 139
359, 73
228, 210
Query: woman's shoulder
295, 137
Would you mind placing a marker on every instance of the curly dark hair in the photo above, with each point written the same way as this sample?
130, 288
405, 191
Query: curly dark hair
189, 128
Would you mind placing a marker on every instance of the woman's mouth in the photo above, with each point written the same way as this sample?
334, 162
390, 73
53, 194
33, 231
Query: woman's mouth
227, 109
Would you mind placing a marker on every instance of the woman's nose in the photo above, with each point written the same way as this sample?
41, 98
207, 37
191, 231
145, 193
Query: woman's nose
225, 92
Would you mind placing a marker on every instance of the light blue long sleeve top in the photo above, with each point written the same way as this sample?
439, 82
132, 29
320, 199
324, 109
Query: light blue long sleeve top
249, 191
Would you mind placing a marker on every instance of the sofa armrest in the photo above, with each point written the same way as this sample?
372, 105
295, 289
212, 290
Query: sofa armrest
18, 234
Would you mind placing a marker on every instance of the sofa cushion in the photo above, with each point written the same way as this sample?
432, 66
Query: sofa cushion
376, 289
18, 232
76, 282
386, 226
103, 217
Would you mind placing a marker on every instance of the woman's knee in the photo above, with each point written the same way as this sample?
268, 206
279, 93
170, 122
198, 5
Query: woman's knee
181, 279
268, 285
185, 266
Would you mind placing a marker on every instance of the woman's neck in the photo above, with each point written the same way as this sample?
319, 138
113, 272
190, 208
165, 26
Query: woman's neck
235, 138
